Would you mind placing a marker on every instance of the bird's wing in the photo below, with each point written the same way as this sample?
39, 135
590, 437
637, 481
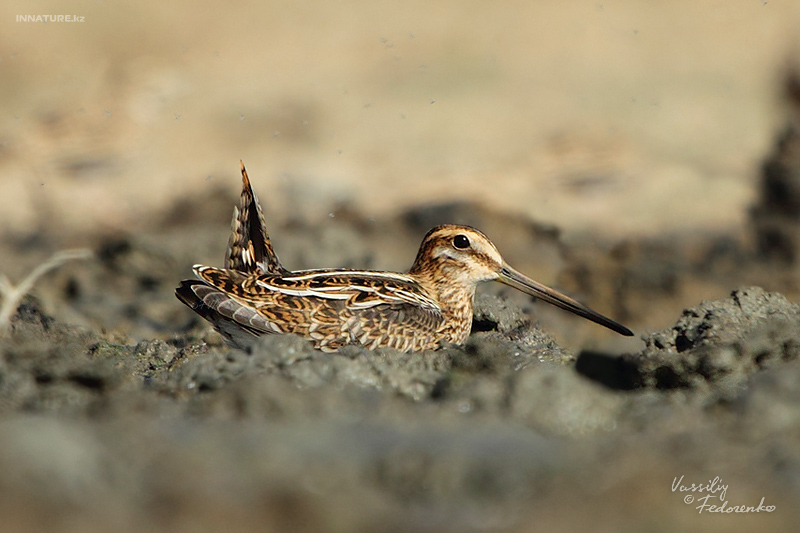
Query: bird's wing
239, 324
333, 308
249, 247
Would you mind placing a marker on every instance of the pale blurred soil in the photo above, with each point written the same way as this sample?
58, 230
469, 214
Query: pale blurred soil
620, 119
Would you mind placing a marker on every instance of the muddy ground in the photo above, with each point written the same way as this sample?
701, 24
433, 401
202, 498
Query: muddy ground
121, 410
644, 159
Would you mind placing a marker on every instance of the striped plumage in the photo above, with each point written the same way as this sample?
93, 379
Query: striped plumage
249, 247
254, 294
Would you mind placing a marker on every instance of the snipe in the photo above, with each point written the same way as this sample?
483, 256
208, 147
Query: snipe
432, 303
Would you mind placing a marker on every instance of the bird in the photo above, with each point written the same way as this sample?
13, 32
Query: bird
425, 308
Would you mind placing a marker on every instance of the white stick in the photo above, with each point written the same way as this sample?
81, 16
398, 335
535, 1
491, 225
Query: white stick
13, 295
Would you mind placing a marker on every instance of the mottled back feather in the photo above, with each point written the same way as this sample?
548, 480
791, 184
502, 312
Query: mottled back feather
332, 308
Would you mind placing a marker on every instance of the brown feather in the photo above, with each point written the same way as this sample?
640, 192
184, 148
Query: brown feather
249, 247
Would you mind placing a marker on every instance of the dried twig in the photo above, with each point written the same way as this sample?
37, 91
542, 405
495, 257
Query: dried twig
13, 295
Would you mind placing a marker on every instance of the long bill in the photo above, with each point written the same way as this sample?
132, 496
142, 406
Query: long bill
519, 281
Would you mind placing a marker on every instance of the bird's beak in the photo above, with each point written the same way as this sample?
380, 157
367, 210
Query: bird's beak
519, 281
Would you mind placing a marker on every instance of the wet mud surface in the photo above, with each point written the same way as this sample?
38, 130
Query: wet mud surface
120, 409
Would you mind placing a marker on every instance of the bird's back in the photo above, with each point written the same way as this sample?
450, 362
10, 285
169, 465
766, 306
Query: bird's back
333, 308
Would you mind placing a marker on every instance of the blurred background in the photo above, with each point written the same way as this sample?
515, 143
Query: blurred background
615, 118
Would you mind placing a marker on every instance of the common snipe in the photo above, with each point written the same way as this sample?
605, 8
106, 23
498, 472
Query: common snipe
431, 304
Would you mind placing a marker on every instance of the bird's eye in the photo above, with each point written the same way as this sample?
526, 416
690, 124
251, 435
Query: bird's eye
461, 242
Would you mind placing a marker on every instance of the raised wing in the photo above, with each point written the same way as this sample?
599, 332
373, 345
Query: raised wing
249, 247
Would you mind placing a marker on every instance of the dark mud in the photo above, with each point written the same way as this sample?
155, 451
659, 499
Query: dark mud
120, 410
142, 419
